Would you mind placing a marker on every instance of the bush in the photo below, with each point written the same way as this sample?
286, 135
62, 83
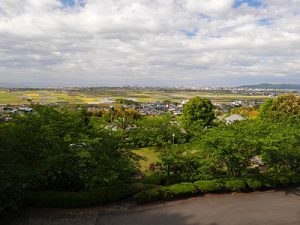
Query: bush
206, 186
173, 179
283, 180
235, 185
270, 182
295, 179
64, 199
182, 190
79, 199
154, 179
165, 193
254, 184
150, 195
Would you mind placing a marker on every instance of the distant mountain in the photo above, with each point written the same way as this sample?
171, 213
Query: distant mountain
273, 86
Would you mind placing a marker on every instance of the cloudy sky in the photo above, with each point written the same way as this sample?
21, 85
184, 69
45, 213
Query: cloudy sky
149, 42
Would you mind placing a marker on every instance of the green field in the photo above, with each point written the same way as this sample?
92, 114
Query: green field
16, 97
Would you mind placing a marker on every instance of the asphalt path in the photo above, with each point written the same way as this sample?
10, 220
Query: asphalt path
257, 208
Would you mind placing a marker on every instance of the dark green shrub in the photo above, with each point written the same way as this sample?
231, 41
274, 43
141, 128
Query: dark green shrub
119, 190
295, 179
166, 193
173, 179
150, 195
235, 185
103, 195
283, 180
154, 179
181, 190
254, 184
270, 182
206, 186
64, 199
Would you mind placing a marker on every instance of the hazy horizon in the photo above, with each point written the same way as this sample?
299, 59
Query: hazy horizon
51, 43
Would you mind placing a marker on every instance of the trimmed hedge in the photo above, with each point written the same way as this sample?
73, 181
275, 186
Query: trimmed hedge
254, 184
295, 179
154, 179
235, 185
166, 193
270, 182
206, 186
143, 193
64, 199
80, 199
150, 195
182, 190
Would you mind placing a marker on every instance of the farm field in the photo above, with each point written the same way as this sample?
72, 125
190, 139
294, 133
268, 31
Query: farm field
18, 97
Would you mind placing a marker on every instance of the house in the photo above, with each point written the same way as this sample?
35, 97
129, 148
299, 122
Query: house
233, 118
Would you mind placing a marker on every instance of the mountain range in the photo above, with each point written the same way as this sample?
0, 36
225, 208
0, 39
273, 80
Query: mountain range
273, 86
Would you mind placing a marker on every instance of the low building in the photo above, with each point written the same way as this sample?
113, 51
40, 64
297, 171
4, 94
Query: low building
234, 118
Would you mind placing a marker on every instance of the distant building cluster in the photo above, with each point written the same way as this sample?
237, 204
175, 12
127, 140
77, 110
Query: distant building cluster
6, 112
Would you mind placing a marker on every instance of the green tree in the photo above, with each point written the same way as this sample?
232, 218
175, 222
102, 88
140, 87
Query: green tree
59, 150
281, 147
155, 131
197, 114
234, 145
281, 108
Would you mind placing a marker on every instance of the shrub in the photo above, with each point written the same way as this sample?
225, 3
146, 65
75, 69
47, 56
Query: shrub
235, 185
174, 179
103, 195
150, 195
154, 179
64, 199
270, 182
254, 184
181, 190
283, 180
295, 179
116, 193
166, 193
206, 186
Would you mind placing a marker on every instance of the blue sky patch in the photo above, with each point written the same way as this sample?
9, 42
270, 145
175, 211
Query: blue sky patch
190, 33
251, 3
72, 3
265, 22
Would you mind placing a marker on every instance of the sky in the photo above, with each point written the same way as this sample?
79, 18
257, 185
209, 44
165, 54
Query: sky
45, 43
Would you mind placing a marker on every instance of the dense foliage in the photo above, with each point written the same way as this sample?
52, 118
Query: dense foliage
155, 131
197, 114
81, 158
56, 150
281, 108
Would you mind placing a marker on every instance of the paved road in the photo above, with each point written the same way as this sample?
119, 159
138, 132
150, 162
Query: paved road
259, 208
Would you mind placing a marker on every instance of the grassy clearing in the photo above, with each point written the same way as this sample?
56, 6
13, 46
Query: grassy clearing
151, 155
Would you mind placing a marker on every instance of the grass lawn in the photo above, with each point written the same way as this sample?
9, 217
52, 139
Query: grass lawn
151, 156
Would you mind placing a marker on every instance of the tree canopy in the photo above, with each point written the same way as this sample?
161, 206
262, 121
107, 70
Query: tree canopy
282, 107
198, 113
56, 150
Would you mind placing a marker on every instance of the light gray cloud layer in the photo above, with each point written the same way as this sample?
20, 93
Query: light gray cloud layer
148, 42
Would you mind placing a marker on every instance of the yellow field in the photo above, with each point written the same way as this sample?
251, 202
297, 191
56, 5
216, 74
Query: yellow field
96, 97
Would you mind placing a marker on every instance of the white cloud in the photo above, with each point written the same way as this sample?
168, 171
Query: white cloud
210, 7
171, 41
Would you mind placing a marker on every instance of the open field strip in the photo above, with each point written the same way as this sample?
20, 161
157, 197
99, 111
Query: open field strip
86, 97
